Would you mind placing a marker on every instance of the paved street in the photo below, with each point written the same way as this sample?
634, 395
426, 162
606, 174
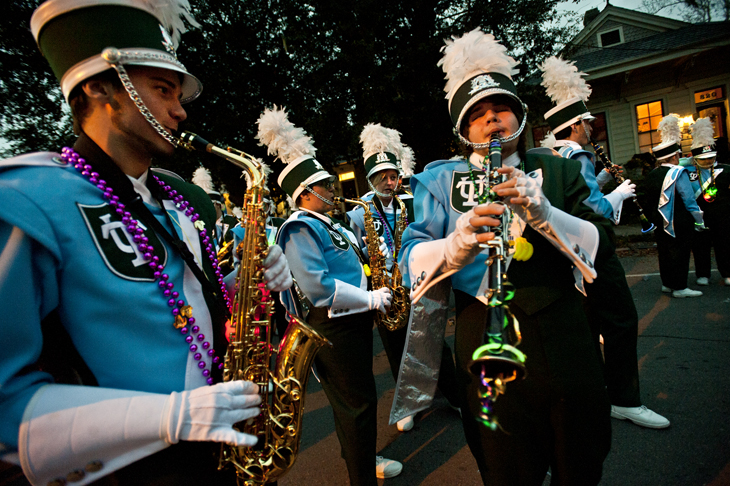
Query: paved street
685, 375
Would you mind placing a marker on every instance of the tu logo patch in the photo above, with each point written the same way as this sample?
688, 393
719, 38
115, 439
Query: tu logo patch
116, 246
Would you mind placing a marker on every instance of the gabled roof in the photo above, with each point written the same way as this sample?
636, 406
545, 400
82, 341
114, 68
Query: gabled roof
626, 17
654, 49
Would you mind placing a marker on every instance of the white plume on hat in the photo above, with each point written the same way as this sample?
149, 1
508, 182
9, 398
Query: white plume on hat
563, 81
376, 138
472, 54
549, 141
172, 14
408, 161
703, 134
669, 129
203, 179
282, 138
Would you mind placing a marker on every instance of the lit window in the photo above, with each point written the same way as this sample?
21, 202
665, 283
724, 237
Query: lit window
346, 176
648, 117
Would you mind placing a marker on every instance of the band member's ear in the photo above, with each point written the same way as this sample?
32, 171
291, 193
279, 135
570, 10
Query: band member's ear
98, 89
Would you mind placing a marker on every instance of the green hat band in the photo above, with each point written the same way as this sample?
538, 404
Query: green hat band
667, 151
566, 114
290, 180
380, 161
709, 150
83, 33
480, 86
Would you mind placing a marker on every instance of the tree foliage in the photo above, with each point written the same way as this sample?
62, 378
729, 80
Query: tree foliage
693, 11
334, 65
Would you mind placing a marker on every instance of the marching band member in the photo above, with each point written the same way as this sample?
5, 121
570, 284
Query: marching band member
557, 418
614, 318
711, 184
335, 301
667, 194
108, 269
382, 155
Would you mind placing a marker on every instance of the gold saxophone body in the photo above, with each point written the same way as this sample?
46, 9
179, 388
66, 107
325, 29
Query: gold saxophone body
249, 354
400, 307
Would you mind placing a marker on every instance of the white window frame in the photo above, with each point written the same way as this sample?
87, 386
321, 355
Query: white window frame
620, 34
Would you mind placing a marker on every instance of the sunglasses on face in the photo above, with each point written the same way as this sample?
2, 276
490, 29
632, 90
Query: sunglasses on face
327, 184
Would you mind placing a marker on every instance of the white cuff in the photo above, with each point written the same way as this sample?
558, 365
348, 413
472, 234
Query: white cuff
88, 432
617, 203
427, 266
348, 300
577, 239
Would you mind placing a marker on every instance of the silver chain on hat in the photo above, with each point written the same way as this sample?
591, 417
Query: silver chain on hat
115, 57
326, 201
504, 140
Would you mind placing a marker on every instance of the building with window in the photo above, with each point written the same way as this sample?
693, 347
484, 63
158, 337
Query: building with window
643, 67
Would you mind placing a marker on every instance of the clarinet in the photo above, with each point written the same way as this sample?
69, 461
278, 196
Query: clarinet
613, 169
497, 362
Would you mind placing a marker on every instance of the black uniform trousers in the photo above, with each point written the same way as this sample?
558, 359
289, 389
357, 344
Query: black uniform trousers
346, 372
702, 252
674, 254
394, 343
611, 313
558, 417
718, 236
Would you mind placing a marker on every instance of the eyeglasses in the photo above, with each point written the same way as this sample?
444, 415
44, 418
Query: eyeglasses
327, 184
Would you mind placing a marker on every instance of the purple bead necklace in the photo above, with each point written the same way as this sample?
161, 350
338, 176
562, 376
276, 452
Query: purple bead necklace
182, 313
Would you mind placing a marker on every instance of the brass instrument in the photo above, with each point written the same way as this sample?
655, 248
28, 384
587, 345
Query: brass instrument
498, 361
225, 257
248, 356
400, 307
613, 169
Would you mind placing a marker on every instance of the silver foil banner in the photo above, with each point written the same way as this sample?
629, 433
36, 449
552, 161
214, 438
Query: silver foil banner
419, 368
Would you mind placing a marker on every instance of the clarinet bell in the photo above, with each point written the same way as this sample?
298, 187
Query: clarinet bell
497, 361
646, 225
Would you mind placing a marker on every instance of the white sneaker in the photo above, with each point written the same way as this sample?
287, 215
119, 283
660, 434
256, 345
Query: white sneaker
666, 290
688, 292
387, 468
640, 416
405, 424
703, 281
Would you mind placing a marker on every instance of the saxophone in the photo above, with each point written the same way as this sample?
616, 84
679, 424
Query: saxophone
397, 314
248, 356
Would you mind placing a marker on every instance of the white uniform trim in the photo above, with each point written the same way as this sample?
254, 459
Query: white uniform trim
348, 300
88, 424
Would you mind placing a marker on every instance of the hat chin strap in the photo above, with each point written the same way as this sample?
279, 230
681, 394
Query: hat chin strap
113, 56
378, 193
324, 200
504, 140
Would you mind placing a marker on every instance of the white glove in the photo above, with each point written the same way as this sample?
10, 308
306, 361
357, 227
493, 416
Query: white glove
385, 251
626, 189
208, 413
380, 299
537, 209
602, 178
276, 270
461, 246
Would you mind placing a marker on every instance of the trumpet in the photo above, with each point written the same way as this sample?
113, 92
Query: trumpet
497, 362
